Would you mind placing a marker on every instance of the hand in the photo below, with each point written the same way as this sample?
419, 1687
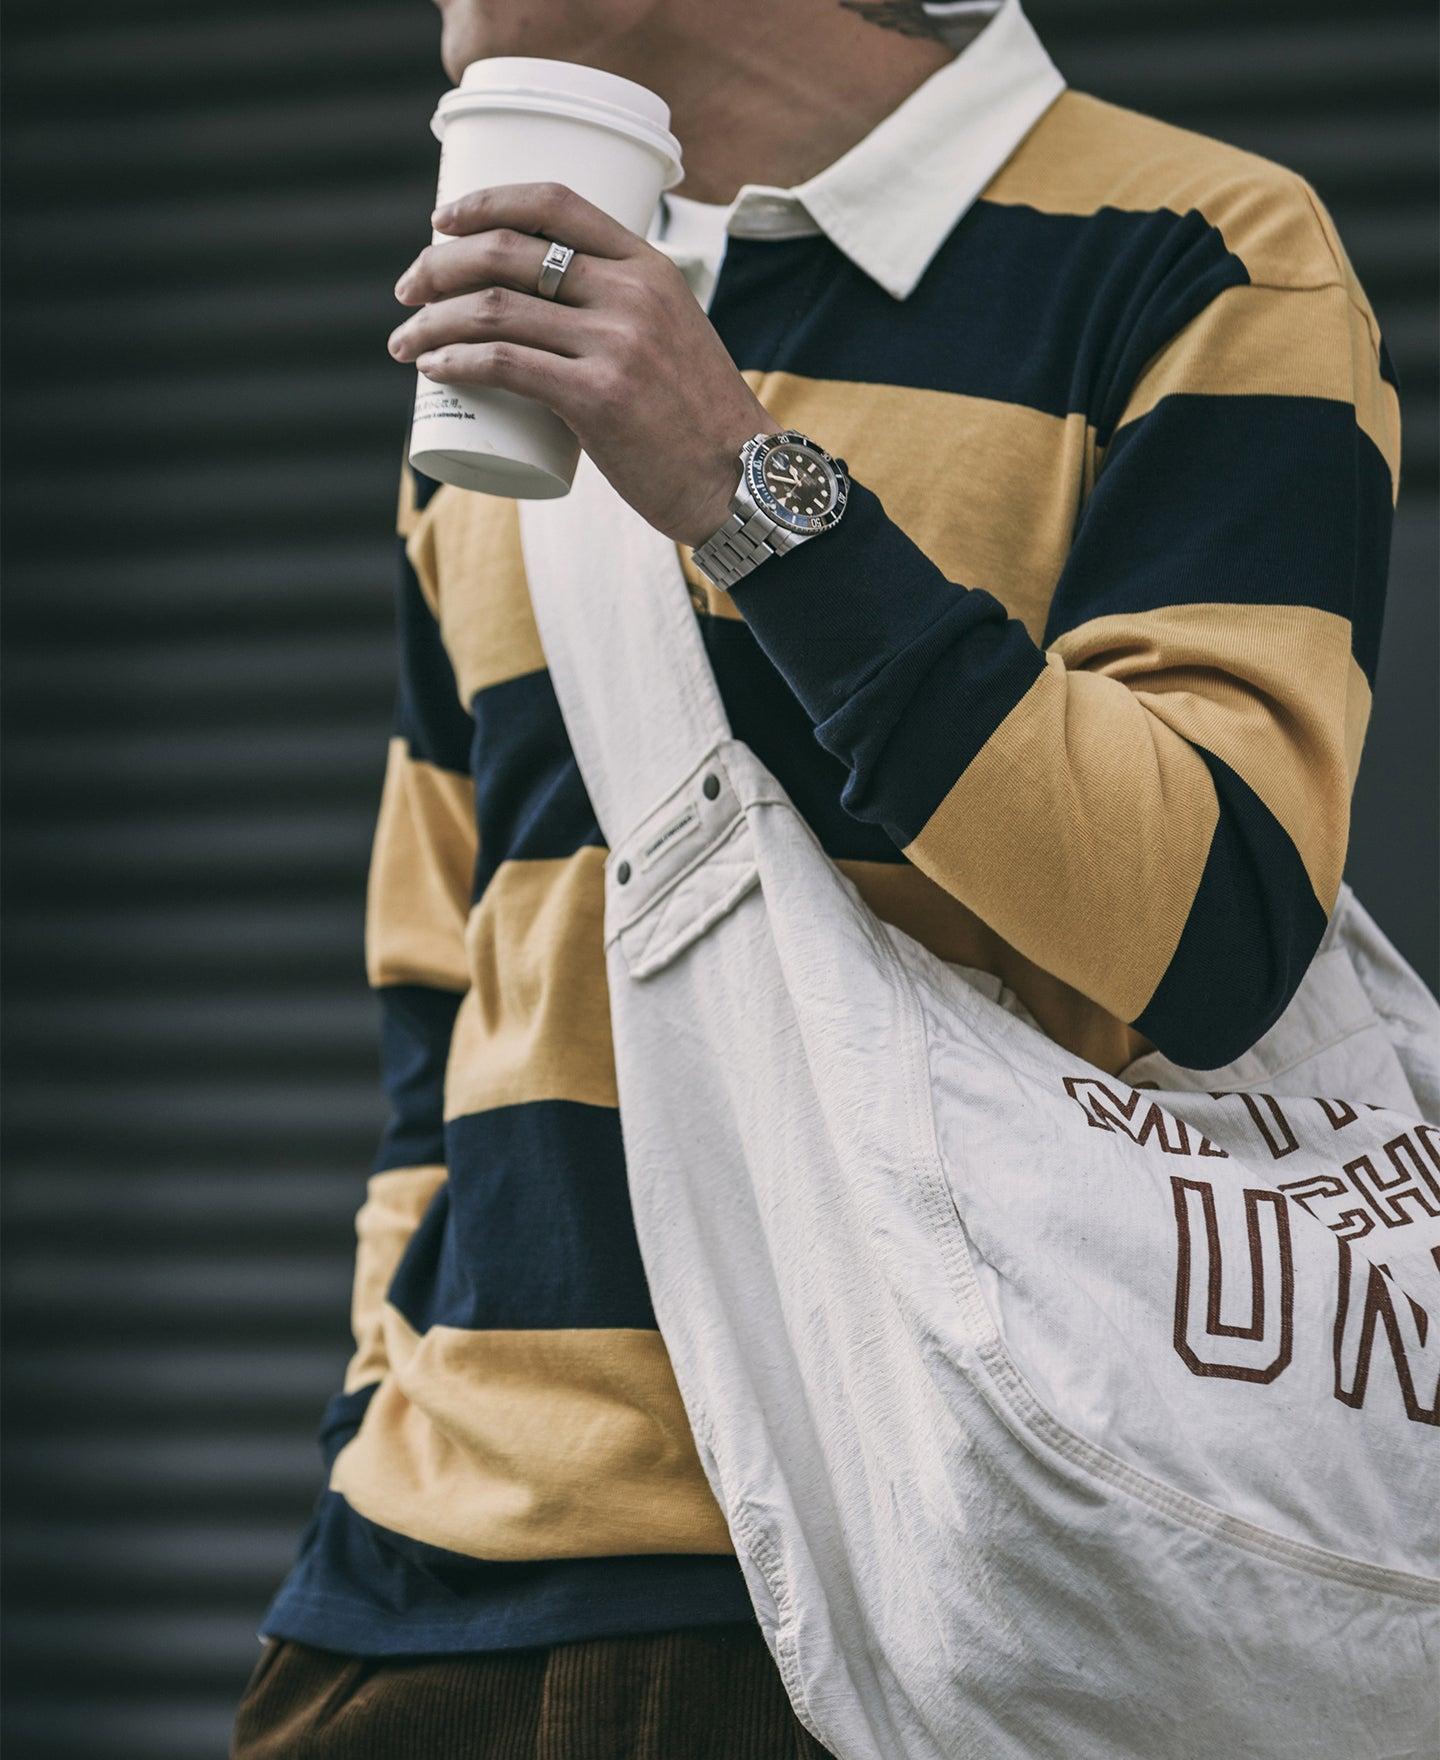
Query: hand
623, 355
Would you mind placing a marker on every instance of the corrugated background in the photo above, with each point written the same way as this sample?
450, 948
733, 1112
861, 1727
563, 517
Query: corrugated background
207, 207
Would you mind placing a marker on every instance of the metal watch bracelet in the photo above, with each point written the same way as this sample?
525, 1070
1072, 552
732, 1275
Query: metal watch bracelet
740, 546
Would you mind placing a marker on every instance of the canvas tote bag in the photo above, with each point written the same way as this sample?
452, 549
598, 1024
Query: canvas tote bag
1053, 1412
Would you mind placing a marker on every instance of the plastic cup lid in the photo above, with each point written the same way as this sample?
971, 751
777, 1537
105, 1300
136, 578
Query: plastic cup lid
563, 88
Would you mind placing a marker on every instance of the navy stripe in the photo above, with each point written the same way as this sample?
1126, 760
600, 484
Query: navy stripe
1372, 535
1251, 933
425, 486
1261, 500
416, 1023
765, 712
1387, 367
341, 1419
429, 715
532, 1229
912, 733
530, 799
365, 1590
1058, 312
882, 651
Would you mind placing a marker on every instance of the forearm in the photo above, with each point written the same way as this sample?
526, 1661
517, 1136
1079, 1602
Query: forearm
1056, 793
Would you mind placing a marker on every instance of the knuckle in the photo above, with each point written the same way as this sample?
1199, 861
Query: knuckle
630, 345
501, 357
504, 240
491, 305
647, 298
587, 278
555, 197
605, 381
657, 271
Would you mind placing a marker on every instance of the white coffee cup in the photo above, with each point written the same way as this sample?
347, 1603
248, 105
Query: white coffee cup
519, 119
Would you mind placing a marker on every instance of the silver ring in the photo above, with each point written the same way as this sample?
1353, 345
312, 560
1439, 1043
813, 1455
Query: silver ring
552, 270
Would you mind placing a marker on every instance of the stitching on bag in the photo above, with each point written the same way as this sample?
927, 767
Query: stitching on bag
1272, 1074
1190, 1511
1312, 1051
1013, 1391
788, 1657
1400, 1020
768, 1561
940, 1201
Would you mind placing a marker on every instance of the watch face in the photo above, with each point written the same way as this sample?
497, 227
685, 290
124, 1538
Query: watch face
798, 480
797, 483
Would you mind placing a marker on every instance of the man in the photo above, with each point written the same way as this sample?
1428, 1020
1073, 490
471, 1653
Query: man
1073, 689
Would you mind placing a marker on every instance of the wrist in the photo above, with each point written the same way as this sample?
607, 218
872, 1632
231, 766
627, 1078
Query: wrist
713, 509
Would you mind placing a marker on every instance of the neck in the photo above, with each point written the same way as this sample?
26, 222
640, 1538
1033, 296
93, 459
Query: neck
777, 95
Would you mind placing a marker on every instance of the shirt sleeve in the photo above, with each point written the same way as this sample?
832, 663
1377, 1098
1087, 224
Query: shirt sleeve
1152, 800
417, 903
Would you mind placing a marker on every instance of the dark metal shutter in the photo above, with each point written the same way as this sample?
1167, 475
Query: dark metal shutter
207, 208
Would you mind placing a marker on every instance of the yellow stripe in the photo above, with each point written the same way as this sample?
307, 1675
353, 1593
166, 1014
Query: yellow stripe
394, 1203
536, 1023
406, 512
1272, 690
1263, 341
900, 893
421, 863
1357, 719
1094, 812
1098, 809
466, 553
515, 1445
1085, 154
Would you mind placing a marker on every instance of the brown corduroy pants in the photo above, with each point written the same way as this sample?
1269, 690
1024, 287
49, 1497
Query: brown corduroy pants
703, 1694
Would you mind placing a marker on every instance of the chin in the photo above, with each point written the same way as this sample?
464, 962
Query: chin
471, 30
561, 30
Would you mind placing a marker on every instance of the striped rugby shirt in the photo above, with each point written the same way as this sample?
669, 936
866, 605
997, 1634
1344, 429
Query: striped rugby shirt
1075, 693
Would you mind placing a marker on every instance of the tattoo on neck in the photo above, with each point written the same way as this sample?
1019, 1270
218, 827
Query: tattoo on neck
906, 16
954, 25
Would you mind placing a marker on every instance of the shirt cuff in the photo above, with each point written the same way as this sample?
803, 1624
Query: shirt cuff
905, 674
834, 611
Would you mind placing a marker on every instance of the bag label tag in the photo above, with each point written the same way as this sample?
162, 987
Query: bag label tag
671, 833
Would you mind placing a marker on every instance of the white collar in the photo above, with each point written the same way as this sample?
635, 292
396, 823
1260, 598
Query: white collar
892, 200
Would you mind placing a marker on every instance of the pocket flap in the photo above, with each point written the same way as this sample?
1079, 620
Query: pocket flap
686, 864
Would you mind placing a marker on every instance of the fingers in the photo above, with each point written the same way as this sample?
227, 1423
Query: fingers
493, 314
550, 379
546, 210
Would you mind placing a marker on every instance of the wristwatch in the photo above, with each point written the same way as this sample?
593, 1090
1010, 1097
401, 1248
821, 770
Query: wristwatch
790, 490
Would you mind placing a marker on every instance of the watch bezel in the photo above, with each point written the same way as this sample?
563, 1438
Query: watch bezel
803, 525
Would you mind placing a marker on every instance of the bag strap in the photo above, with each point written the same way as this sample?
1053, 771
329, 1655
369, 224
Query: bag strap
623, 646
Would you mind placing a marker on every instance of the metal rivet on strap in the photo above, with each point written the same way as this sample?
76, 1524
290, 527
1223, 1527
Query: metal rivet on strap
622, 873
711, 785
